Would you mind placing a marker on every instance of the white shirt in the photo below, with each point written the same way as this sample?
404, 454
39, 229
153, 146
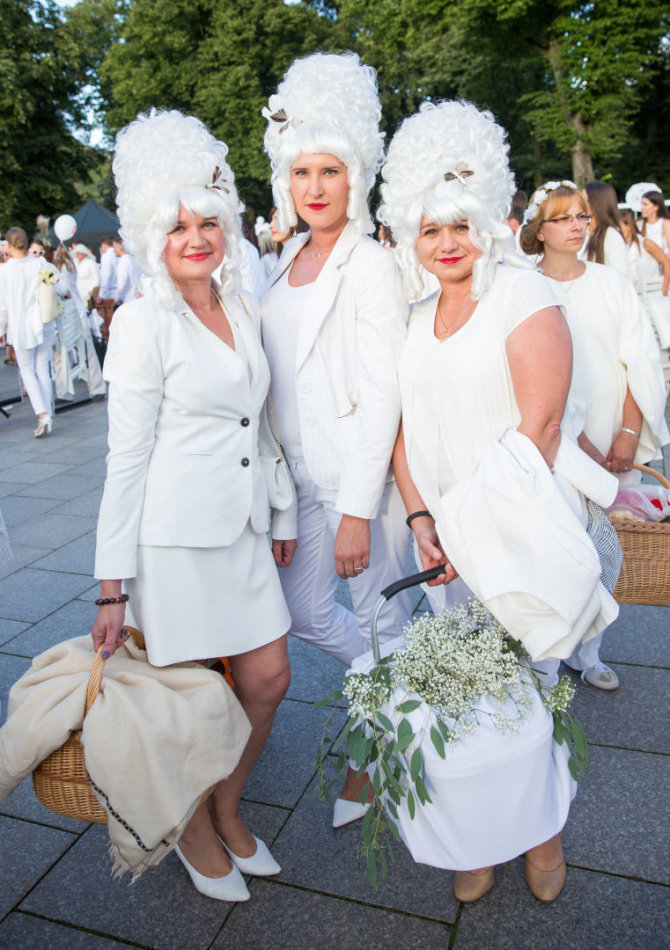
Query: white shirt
88, 277
19, 309
284, 309
108, 274
127, 277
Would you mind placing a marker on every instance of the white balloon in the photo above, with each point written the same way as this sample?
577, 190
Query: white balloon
65, 227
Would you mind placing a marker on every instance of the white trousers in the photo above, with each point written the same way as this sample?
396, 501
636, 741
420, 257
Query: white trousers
34, 368
310, 582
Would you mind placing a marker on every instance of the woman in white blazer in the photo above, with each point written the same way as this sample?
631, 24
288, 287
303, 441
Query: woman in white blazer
334, 321
182, 549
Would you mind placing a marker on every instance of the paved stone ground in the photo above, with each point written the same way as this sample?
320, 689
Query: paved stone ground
55, 887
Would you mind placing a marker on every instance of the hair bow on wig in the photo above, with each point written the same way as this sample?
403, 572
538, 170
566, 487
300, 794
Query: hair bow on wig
218, 182
460, 173
276, 113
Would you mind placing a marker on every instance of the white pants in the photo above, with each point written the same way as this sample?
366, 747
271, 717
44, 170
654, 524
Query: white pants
310, 582
34, 368
586, 654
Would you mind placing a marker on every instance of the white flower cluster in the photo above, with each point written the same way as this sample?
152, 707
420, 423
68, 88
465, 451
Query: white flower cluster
365, 696
559, 697
541, 195
456, 657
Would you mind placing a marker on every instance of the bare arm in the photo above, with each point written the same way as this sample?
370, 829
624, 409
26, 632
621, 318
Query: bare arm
621, 455
652, 248
540, 359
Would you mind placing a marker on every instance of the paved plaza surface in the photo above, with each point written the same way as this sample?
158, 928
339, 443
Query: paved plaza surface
56, 889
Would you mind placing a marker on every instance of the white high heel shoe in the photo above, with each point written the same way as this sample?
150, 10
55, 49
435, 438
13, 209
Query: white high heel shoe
345, 812
260, 864
44, 427
230, 887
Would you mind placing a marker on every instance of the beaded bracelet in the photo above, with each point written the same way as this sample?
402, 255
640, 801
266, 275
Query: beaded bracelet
632, 431
103, 601
417, 514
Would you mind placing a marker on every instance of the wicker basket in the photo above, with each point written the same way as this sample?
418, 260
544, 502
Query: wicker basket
645, 573
61, 782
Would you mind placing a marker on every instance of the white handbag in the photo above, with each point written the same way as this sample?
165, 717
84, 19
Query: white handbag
46, 300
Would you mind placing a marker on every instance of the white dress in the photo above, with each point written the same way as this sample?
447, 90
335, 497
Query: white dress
496, 794
613, 348
644, 271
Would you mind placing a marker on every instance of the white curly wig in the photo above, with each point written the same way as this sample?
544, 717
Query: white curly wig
162, 160
326, 103
449, 162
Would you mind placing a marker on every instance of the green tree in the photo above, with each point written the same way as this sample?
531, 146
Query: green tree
40, 159
219, 61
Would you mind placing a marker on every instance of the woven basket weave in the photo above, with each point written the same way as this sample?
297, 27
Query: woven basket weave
645, 574
61, 782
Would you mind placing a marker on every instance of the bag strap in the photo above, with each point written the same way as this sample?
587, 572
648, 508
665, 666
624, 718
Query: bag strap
275, 427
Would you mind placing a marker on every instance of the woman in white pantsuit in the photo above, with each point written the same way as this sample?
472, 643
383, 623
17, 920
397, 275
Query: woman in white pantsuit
334, 321
184, 517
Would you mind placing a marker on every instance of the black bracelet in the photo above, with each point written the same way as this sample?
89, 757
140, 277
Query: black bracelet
103, 601
417, 514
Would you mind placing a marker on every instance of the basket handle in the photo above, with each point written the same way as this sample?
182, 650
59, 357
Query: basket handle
95, 677
652, 471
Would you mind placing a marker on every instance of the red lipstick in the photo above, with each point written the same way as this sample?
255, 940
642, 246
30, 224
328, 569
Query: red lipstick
450, 260
316, 206
201, 256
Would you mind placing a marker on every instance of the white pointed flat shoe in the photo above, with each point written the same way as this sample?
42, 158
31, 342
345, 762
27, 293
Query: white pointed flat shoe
345, 812
260, 864
230, 887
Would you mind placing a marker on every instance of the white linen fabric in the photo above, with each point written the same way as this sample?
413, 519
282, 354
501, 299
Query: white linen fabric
128, 277
19, 310
522, 775
333, 358
644, 271
88, 277
458, 402
183, 731
654, 232
184, 472
613, 349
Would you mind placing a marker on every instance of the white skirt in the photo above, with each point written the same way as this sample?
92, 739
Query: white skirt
495, 794
201, 603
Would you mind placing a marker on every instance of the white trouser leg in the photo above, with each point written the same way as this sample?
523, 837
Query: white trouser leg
310, 582
586, 654
34, 368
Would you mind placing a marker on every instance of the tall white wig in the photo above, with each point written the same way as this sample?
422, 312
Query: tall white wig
449, 162
326, 103
162, 160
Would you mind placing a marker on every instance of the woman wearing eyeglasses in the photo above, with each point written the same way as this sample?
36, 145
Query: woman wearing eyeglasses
617, 384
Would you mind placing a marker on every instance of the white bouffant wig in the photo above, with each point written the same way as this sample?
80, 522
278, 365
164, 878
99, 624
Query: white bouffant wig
449, 162
326, 103
162, 160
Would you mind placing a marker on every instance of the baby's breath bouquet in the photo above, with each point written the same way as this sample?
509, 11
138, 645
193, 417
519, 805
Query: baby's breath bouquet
455, 669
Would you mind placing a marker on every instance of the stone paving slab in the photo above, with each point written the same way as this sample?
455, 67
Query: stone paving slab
77, 557
314, 675
64, 487
635, 716
22, 556
51, 530
161, 909
30, 594
23, 803
639, 636
87, 505
10, 629
16, 509
284, 918
619, 819
73, 620
23, 932
27, 851
594, 912
314, 855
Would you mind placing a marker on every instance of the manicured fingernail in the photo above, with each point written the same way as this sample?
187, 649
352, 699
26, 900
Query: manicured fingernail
105, 655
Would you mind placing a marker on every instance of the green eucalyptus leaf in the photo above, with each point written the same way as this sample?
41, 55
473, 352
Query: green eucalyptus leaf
411, 805
437, 741
409, 705
385, 722
371, 864
416, 764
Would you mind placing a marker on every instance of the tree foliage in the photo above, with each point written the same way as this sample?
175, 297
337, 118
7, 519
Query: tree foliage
40, 159
219, 61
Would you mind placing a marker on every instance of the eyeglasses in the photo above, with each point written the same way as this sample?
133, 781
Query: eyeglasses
565, 219
37, 253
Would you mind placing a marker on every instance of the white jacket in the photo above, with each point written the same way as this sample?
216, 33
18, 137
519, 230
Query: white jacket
346, 369
183, 468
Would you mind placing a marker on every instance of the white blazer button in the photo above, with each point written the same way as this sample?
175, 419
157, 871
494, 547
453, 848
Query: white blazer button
245, 462
244, 422
306, 387
309, 420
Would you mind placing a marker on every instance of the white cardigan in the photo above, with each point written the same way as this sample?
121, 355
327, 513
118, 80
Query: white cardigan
346, 369
183, 468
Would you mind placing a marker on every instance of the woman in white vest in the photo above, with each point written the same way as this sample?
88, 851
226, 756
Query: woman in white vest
182, 549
